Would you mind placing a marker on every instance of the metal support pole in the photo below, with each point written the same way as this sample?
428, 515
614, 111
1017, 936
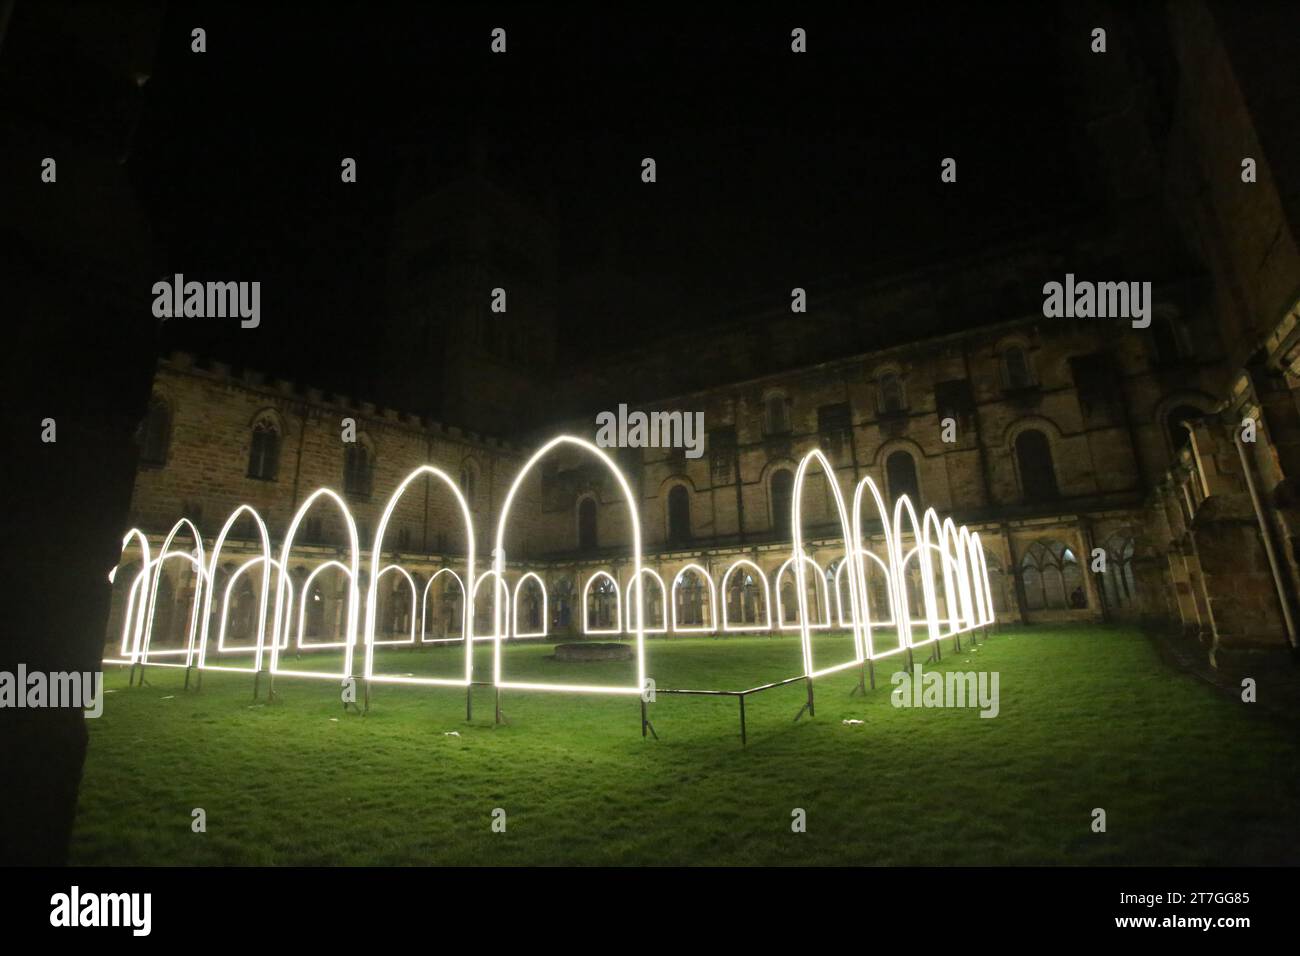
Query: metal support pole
744, 740
469, 703
871, 672
646, 726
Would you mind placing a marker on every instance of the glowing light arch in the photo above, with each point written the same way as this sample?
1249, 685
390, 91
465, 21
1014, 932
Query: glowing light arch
196, 563
712, 626
903, 613
376, 556
286, 587
415, 600
767, 599
354, 594
133, 593
865, 624
824, 621
634, 585
213, 565
424, 608
634, 522
519, 586
156, 578
802, 559
586, 608
499, 609
301, 643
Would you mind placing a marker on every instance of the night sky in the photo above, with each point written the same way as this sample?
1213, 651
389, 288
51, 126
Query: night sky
774, 169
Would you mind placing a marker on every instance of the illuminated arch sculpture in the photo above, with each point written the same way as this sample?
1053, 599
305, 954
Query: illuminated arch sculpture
712, 626
213, 565
286, 586
354, 595
903, 559
301, 643
501, 607
634, 521
415, 600
519, 589
376, 555
586, 606
824, 619
632, 594
196, 562
132, 631
767, 599
867, 622
424, 608
802, 560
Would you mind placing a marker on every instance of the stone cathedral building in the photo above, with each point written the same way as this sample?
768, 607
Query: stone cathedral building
1171, 450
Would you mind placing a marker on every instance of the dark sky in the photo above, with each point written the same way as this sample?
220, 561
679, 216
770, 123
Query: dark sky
774, 169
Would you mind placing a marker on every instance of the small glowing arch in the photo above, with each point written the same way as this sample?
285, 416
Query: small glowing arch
301, 643
634, 585
499, 609
634, 522
586, 608
354, 594
424, 608
376, 555
824, 620
519, 587
727, 626
712, 626
415, 600
903, 506
286, 586
866, 626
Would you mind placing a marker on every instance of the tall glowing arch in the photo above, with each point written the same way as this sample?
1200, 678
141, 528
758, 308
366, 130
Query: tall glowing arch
500, 553
903, 506
376, 556
415, 600
519, 587
586, 608
801, 571
354, 594
301, 642
824, 619
200, 574
767, 598
132, 632
712, 626
213, 564
464, 609
632, 593
981, 575
866, 624
164, 554
935, 538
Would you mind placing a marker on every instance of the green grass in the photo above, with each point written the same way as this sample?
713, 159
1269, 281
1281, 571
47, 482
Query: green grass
1089, 718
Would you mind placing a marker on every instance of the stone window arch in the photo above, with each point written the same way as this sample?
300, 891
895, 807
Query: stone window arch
264, 446
679, 515
358, 467
1051, 578
781, 495
776, 413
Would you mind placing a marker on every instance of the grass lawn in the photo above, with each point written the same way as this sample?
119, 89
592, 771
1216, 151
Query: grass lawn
1089, 717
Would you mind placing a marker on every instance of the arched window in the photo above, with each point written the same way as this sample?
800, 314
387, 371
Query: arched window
1051, 577
358, 467
264, 452
1034, 459
1170, 347
1118, 580
778, 416
891, 393
900, 477
1015, 366
155, 433
561, 604
587, 537
782, 491
679, 515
